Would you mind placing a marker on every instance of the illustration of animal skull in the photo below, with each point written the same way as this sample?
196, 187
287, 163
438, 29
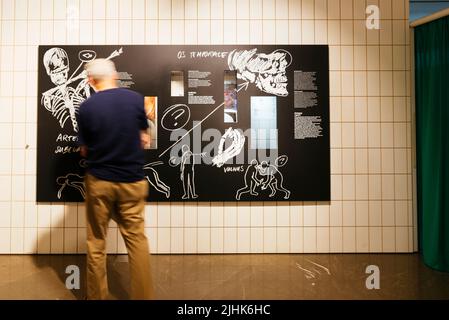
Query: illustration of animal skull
267, 71
56, 62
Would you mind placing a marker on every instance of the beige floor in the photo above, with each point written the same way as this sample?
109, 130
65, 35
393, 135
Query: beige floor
305, 276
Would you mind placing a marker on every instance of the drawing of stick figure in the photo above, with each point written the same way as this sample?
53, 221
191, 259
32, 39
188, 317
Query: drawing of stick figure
187, 170
71, 180
153, 178
251, 180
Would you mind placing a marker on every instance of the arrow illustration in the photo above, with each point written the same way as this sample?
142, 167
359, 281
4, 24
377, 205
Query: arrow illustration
240, 87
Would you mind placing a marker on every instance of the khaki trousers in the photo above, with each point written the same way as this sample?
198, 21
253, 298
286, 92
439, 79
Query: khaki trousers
125, 203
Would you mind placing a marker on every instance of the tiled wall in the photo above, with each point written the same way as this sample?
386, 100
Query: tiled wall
371, 207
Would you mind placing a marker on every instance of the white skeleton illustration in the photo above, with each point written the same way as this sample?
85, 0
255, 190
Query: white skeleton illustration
238, 141
267, 71
64, 99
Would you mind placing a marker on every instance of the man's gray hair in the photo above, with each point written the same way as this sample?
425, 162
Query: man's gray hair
100, 69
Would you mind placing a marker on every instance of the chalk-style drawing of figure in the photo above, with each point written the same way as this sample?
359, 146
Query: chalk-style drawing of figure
251, 180
71, 180
187, 169
267, 71
153, 178
272, 178
64, 99
238, 141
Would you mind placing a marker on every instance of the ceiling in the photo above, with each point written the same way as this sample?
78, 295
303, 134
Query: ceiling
422, 8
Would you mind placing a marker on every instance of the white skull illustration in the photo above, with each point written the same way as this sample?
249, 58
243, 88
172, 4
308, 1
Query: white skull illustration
56, 64
267, 71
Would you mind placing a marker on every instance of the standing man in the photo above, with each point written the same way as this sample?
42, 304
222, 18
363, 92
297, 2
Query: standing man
112, 131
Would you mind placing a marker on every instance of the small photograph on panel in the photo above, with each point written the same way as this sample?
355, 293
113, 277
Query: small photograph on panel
151, 113
230, 96
230, 116
264, 133
177, 83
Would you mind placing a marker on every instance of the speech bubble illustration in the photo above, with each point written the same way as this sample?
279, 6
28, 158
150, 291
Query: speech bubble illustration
87, 55
175, 117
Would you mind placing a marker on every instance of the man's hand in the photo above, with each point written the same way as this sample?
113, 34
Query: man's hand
144, 138
83, 151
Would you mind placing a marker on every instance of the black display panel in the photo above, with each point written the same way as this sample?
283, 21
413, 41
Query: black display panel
233, 122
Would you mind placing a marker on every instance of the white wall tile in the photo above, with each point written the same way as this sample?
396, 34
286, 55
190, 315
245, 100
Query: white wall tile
177, 240
359, 32
348, 213
322, 240
361, 187
268, 31
230, 240
204, 240
243, 240
244, 214
43, 242
216, 9
57, 240
30, 240
216, 31
375, 187
347, 32
362, 213
282, 214
320, 9
5, 240
388, 239
349, 239
402, 239
375, 239
310, 242
151, 11
387, 160
269, 240
282, 30
138, 32
163, 239
347, 160
362, 239
191, 9
216, 240
283, 239
296, 239
257, 240
230, 31
336, 239
294, 9
307, 9
386, 33
361, 161
204, 32
336, 213
296, 214
204, 9
309, 214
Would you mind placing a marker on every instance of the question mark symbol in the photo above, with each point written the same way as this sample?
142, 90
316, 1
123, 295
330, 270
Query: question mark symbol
179, 113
